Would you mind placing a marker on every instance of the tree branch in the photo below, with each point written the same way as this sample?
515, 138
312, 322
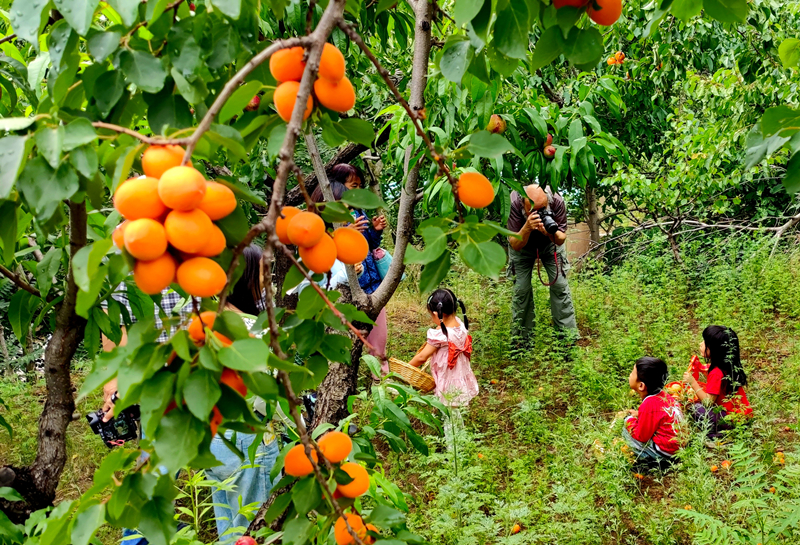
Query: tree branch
17, 279
7, 38
149, 140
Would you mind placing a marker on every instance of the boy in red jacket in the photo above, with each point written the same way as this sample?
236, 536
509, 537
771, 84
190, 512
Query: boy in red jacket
653, 431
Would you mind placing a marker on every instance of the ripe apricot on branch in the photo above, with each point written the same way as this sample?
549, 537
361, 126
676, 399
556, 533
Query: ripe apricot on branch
188, 231
215, 243
231, 379
282, 224
548, 140
145, 239
358, 485
497, 124
287, 64
218, 201
351, 246
297, 463
608, 12
156, 160
196, 326
338, 96
182, 188
252, 106
321, 257
549, 151
216, 420
620, 56
335, 446
331, 64
138, 198
369, 540
305, 229
611, 61
118, 236
475, 190
284, 98
341, 534
153, 276
201, 277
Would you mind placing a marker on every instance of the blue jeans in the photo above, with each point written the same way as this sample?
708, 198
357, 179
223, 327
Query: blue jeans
645, 452
249, 483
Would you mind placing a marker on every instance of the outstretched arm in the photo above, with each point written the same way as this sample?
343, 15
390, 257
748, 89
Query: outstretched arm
423, 355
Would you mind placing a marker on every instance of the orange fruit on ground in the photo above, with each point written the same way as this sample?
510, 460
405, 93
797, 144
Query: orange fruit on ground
320, 258
305, 229
215, 244
218, 202
351, 246
156, 160
297, 463
620, 56
338, 96
145, 239
182, 188
188, 231
201, 277
196, 326
359, 484
335, 446
726, 464
216, 420
369, 539
138, 198
341, 534
331, 64
287, 64
118, 236
516, 529
609, 11
153, 276
574, 3
475, 190
231, 379
284, 98
282, 224
714, 469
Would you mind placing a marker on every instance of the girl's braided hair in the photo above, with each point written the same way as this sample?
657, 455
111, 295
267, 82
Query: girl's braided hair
444, 302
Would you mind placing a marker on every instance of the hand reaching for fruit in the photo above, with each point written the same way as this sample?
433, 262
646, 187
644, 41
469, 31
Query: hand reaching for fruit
361, 224
379, 223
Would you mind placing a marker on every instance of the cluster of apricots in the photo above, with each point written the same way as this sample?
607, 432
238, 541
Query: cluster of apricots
335, 447
332, 89
616, 58
318, 250
549, 149
602, 12
168, 228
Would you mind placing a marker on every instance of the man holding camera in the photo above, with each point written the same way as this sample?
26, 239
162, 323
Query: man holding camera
540, 220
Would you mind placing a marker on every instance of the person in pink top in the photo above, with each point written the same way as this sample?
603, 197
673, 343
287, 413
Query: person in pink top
449, 346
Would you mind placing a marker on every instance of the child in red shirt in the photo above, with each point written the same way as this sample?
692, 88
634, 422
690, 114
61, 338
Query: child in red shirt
723, 395
653, 431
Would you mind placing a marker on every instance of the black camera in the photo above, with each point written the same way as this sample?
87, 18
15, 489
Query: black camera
550, 225
118, 430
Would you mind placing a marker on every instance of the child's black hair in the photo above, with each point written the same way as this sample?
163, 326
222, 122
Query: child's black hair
653, 372
443, 302
337, 188
723, 346
247, 294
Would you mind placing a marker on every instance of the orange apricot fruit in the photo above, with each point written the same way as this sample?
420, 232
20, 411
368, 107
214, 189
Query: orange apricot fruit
369, 540
305, 229
296, 463
607, 14
287, 64
620, 56
516, 529
197, 326
118, 236
331, 64
338, 96
475, 190
145, 239
138, 198
321, 257
611, 61
282, 225
340, 533
201, 277
218, 201
156, 160
726, 464
182, 188
351, 246
215, 244
358, 485
153, 276
335, 446
188, 231
232, 380
284, 98
216, 420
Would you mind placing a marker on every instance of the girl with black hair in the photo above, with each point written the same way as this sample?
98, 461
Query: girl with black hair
653, 431
723, 395
449, 346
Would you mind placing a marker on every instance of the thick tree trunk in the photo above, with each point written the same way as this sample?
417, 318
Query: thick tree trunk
37, 484
592, 216
340, 383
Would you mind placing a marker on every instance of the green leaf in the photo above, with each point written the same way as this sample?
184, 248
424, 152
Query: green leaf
245, 355
194, 92
306, 495
435, 244
279, 506
77, 133
385, 517
78, 13
177, 439
21, 309
104, 43
86, 262
8, 230
229, 138
9, 494
27, 18
486, 144
362, 199
108, 90
466, 10
84, 159
298, 531
789, 51
726, 11
486, 258
128, 10
44, 188
231, 8
15, 123
167, 110
238, 100
12, 151
511, 30
143, 69
791, 180
456, 59
433, 273
37, 68
336, 212
158, 523
54, 532
780, 120
47, 268
86, 524
584, 47
276, 363
357, 130
686, 9
548, 48
49, 141
234, 226
201, 393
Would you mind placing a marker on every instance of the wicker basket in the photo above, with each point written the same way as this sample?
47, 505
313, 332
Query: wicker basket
414, 376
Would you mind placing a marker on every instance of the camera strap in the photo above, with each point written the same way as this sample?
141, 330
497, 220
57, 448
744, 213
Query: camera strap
539, 268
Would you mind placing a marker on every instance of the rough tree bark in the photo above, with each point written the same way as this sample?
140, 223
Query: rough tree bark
592, 216
37, 483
